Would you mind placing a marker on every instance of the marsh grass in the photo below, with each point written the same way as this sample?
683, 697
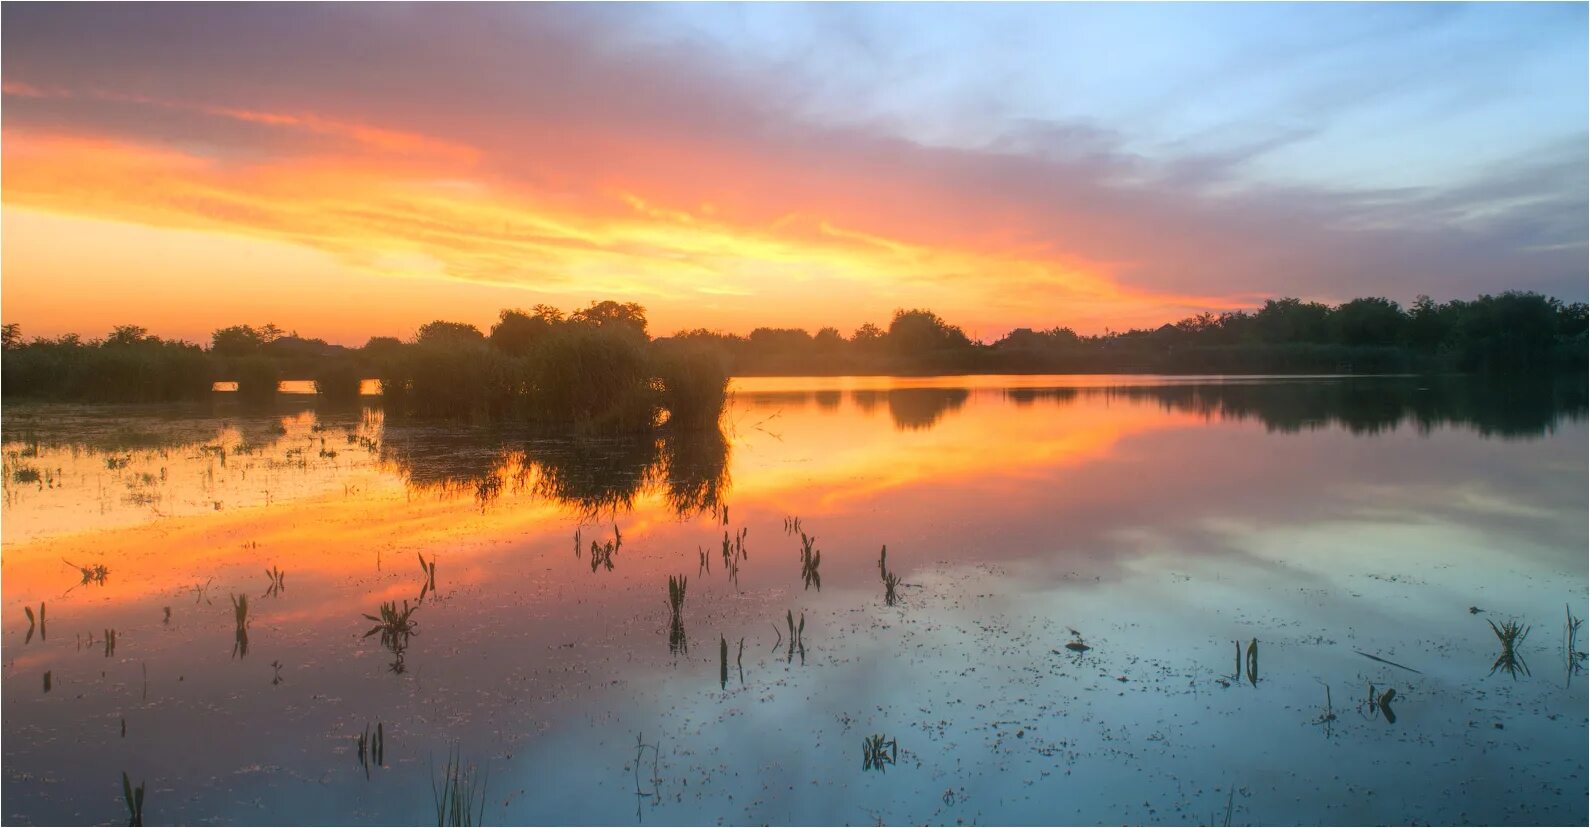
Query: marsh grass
395, 625
878, 752
460, 794
134, 798
797, 642
1510, 634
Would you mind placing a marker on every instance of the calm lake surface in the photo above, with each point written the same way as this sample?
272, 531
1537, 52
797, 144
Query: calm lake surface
1168, 521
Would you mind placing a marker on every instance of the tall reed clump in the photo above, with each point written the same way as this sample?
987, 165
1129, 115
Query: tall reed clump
695, 384
125, 367
676, 608
592, 377
258, 377
337, 380
460, 795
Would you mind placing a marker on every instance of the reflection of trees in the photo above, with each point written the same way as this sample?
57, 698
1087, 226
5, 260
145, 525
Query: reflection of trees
688, 467
1514, 408
913, 409
1519, 407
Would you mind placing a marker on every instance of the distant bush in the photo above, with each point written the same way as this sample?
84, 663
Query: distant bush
338, 380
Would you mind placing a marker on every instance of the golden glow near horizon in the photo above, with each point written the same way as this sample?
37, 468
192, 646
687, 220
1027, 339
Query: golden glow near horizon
387, 230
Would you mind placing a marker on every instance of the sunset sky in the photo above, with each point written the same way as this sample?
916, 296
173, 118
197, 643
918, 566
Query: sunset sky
349, 170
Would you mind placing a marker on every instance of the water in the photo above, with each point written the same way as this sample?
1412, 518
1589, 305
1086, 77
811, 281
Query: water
1169, 522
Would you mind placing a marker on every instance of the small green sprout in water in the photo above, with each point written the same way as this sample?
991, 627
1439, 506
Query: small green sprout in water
878, 752
395, 625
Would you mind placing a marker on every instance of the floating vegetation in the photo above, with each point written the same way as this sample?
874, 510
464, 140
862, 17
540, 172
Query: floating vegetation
461, 794
1076, 645
277, 583
677, 642
240, 615
1510, 634
877, 753
134, 798
26, 474
1253, 662
371, 748
811, 558
91, 574
115, 463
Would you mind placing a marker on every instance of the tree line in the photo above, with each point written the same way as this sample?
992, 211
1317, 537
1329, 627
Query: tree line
600, 363
1507, 333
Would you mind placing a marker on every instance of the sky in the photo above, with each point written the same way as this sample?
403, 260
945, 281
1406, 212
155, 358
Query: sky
348, 170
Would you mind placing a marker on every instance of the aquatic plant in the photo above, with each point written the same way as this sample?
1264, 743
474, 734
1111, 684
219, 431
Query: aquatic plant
792, 525
134, 798
677, 642
460, 796
395, 625
94, 574
371, 748
1570, 635
429, 571
723, 662
28, 611
277, 582
811, 558
110, 643
1510, 634
797, 642
891, 581
1253, 662
877, 752
240, 617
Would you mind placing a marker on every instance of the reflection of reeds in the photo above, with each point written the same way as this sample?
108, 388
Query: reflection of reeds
91, 574
457, 802
891, 581
1253, 662
134, 798
32, 622
676, 607
1570, 643
277, 582
372, 748
797, 643
240, 615
723, 662
877, 752
811, 558
1510, 634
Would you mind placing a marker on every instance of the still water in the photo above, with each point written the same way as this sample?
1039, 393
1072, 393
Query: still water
1220, 555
